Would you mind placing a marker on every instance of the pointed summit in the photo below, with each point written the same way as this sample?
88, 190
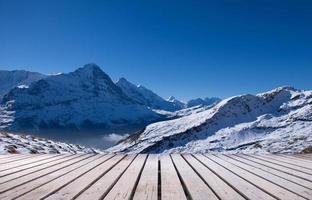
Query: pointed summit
92, 71
89, 68
171, 99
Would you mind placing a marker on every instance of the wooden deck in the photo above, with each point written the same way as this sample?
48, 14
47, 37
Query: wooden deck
152, 177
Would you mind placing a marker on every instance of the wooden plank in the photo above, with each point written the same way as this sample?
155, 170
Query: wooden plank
102, 186
295, 158
292, 160
125, 186
305, 156
30, 165
196, 188
279, 167
14, 159
75, 180
268, 186
17, 191
7, 176
291, 166
247, 189
30, 160
294, 179
5, 156
147, 187
292, 187
74, 188
30, 177
171, 187
180, 177
221, 188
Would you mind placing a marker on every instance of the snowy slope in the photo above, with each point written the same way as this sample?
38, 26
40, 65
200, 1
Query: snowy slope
27, 144
84, 98
203, 102
11, 79
276, 121
146, 96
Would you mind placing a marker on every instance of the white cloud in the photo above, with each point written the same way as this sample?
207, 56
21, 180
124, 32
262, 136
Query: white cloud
113, 137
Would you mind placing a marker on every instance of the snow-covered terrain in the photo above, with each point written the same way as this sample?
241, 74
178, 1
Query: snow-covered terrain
15, 78
85, 98
276, 121
203, 102
147, 97
26, 144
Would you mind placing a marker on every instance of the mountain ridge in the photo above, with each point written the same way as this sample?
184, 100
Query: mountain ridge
237, 124
14, 78
86, 97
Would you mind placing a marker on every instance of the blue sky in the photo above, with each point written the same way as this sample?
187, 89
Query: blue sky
183, 48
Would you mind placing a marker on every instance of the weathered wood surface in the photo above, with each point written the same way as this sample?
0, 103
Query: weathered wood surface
156, 177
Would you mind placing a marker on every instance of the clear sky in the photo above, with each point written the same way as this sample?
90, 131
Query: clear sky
182, 48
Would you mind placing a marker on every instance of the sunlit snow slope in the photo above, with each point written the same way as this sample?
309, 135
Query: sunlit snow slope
276, 121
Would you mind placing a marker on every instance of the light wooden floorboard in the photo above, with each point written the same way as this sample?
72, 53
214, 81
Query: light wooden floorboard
279, 167
14, 159
14, 173
299, 163
295, 188
268, 186
287, 176
22, 163
100, 188
125, 186
196, 188
156, 177
58, 188
291, 166
171, 187
221, 188
147, 188
247, 189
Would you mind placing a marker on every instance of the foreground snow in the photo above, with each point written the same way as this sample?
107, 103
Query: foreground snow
26, 144
279, 121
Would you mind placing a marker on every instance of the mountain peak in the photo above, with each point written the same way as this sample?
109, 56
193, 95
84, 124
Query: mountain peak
91, 66
171, 99
92, 70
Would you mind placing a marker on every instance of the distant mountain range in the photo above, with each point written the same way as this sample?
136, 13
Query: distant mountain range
84, 99
278, 121
11, 79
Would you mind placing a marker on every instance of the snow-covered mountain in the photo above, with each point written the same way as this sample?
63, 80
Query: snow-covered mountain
147, 97
276, 121
177, 103
21, 78
27, 144
85, 98
202, 102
